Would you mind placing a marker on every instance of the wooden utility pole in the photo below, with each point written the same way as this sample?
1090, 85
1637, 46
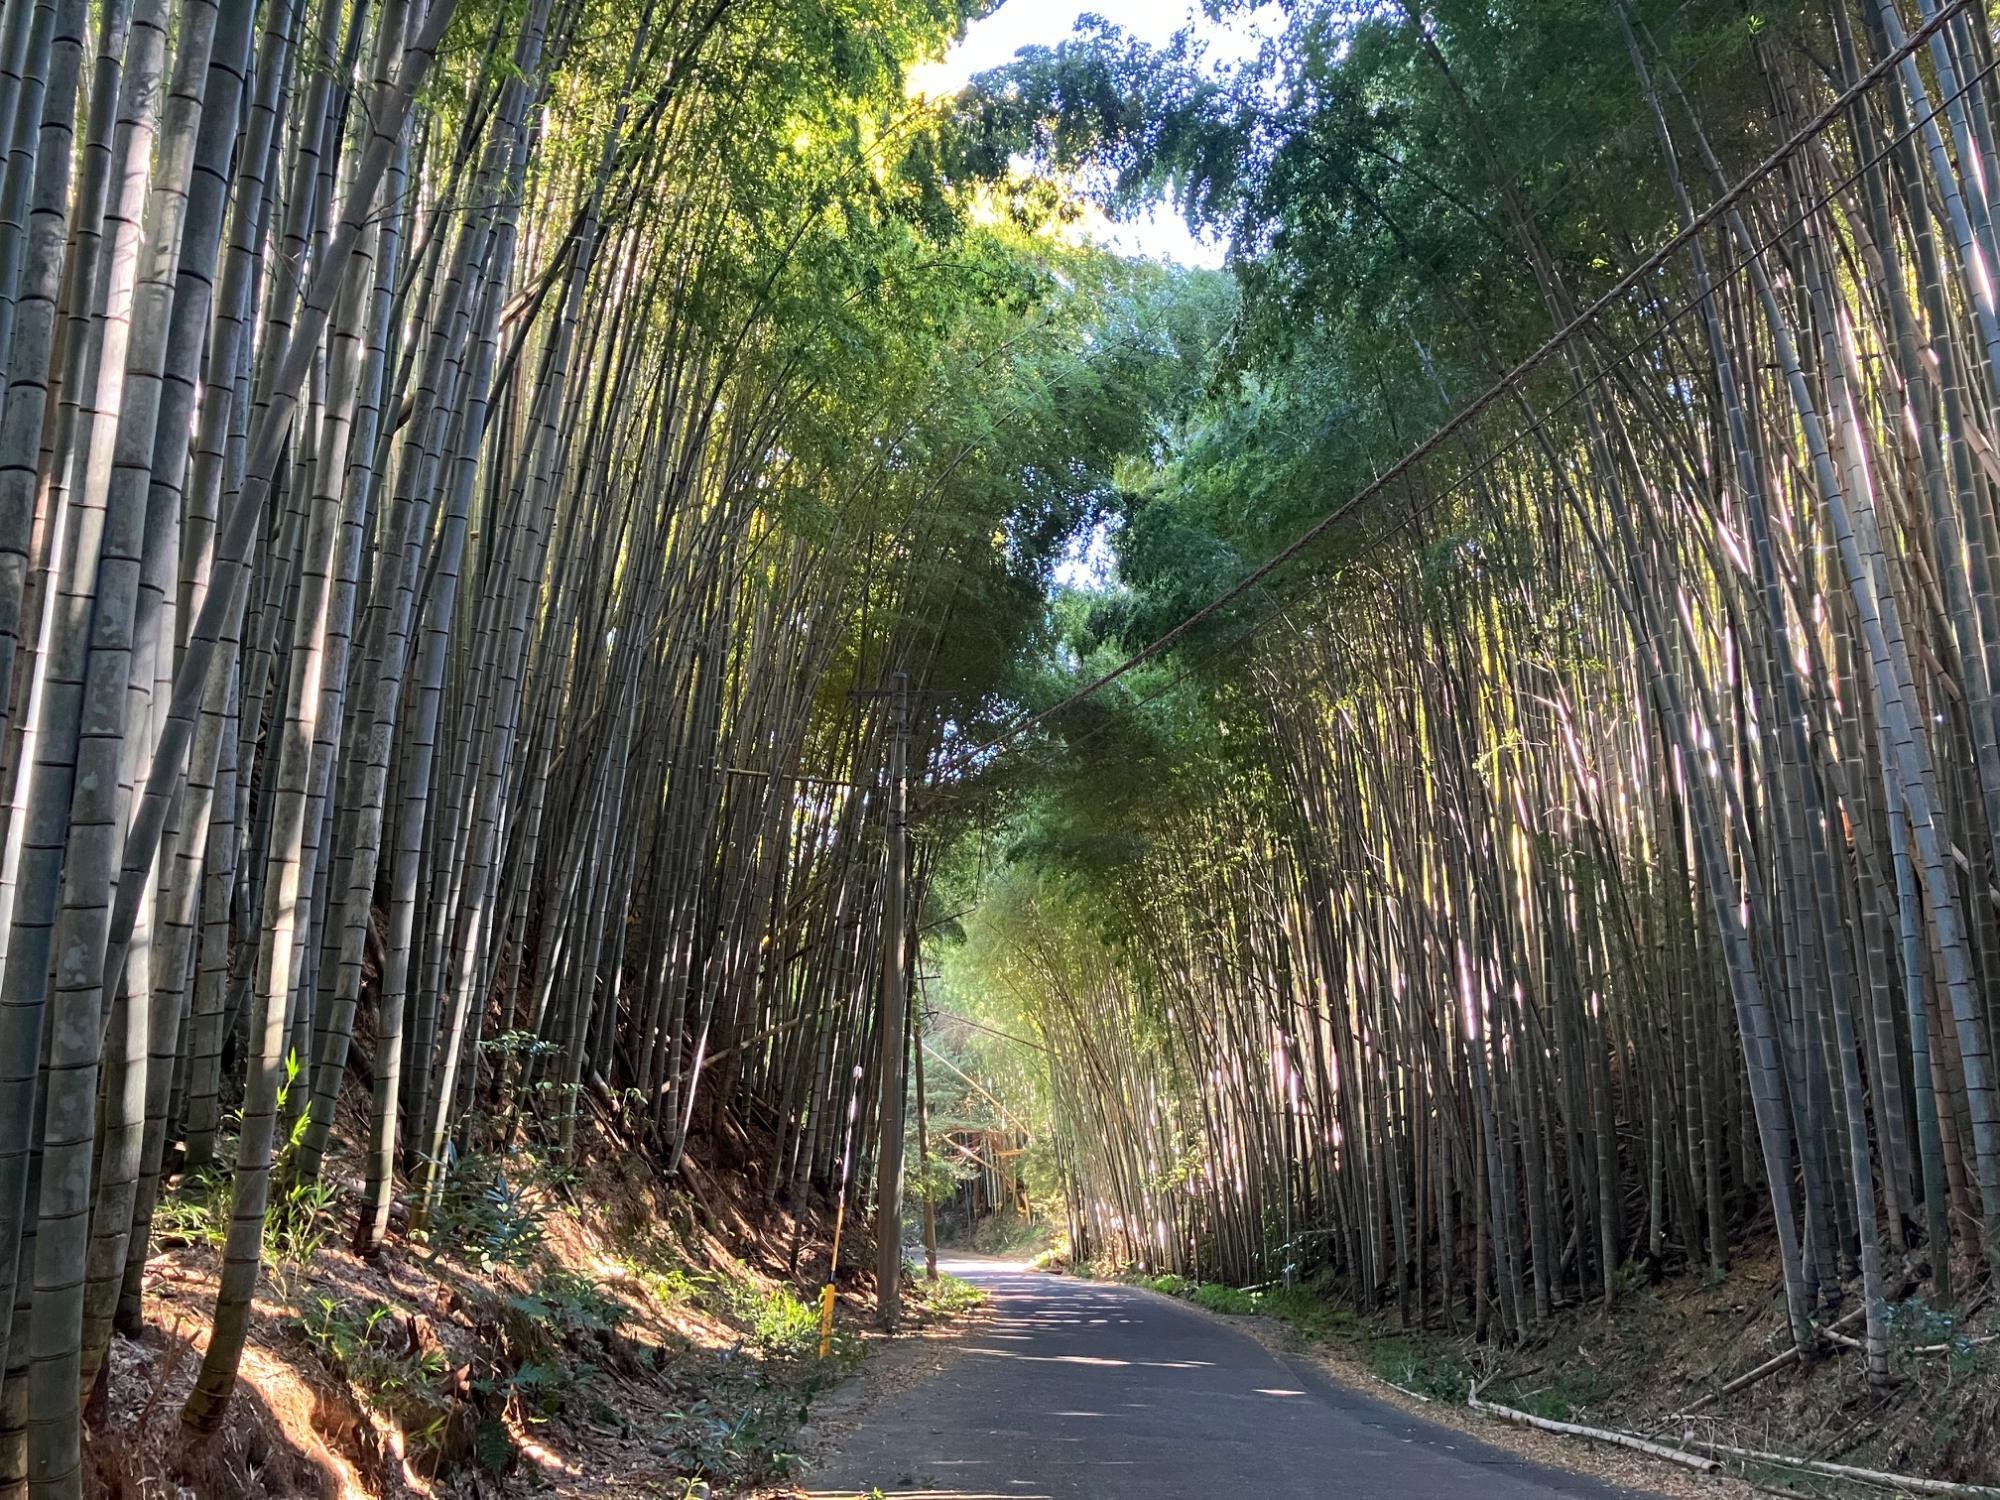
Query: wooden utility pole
889, 1023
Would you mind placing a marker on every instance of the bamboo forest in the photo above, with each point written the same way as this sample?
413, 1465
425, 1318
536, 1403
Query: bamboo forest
1307, 682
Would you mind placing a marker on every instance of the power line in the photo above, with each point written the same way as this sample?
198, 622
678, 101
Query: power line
1615, 358
1501, 388
989, 1030
1218, 651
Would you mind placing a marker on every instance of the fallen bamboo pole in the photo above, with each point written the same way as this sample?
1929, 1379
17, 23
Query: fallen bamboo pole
1598, 1434
1843, 1471
1706, 1458
1399, 1389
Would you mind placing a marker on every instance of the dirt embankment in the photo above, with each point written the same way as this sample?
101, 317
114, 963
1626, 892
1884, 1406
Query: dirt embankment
557, 1332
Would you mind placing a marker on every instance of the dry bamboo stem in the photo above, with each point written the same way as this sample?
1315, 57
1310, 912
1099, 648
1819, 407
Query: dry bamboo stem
1846, 1471
1596, 1434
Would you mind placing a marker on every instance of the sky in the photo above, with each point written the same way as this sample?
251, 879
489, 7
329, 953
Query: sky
995, 39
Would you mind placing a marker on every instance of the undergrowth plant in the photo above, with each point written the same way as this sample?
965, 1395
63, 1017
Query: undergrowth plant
948, 1295
1216, 1297
196, 1211
356, 1342
777, 1322
737, 1434
488, 1216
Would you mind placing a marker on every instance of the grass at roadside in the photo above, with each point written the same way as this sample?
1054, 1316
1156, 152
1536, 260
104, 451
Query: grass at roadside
1436, 1366
1430, 1365
947, 1297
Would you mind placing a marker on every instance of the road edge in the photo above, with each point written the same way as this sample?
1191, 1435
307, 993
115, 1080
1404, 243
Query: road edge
1628, 1470
895, 1364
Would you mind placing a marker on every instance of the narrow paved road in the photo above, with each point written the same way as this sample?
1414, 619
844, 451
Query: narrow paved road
1082, 1391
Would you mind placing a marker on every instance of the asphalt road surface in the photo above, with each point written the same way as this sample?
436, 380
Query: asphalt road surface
1081, 1391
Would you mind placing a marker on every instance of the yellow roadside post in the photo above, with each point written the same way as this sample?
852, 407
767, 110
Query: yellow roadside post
826, 1292
839, 1220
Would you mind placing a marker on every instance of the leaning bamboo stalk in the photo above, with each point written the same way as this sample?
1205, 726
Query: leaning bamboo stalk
35, 796
265, 448
243, 1253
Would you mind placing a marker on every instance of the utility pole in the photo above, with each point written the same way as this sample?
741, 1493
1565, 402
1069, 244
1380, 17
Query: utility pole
890, 1019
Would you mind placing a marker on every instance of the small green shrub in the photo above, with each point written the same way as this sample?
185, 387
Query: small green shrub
1304, 1309
543, 1330
1429, 1368
779, 1322
541, 1389
353, 1341
338, 1331
670, 1286
567, 1303
196, 1211
948, 1294
744, 1437
1170, 1284
485, 1217
299, 1223
519, 1044
656, 1260
1216, 1297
